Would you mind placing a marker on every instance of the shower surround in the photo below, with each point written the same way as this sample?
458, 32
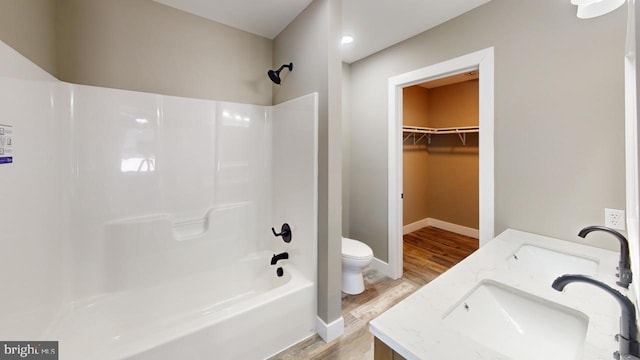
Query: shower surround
139, 225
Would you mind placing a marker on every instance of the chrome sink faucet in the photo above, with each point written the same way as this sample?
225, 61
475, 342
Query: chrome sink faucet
628, 337
624, 265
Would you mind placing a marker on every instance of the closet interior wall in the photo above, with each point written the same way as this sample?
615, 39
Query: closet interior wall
440, 174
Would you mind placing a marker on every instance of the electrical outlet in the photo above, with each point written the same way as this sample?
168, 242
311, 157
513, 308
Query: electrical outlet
614, 219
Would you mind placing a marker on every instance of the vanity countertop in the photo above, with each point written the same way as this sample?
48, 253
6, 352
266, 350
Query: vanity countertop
414, 328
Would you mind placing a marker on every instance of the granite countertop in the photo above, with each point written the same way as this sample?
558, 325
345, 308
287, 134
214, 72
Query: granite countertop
414, 328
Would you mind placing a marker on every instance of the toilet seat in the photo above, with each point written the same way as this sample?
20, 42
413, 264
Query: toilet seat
354, 249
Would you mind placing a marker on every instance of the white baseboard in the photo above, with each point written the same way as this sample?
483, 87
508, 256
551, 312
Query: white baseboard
380, 266
415, 226
458, 229
332, 331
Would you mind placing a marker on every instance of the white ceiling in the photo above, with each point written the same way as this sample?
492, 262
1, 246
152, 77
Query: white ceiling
374, 24
266, 18
378, 24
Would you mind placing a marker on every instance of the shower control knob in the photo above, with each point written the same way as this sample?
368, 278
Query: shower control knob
285, 232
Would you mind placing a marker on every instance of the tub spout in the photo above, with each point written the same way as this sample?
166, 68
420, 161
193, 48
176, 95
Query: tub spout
624, 265
628, 336
281, 256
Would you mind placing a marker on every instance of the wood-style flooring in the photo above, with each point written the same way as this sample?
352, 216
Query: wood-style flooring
428, 252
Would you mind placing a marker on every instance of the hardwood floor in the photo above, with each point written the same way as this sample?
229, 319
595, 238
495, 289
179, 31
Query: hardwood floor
428, 252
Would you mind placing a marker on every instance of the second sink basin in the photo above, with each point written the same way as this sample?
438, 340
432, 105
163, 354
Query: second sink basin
547, 265
517, 324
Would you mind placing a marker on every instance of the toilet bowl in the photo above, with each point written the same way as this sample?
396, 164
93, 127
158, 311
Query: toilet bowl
355, 256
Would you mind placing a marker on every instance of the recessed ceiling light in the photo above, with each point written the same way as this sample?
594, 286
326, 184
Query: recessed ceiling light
347, 39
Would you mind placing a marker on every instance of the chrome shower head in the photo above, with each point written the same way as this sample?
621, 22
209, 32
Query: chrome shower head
274, 75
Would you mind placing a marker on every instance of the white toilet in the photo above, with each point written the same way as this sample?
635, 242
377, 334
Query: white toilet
355, 256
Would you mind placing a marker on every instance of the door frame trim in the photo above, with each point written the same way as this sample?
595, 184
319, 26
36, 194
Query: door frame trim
483, 61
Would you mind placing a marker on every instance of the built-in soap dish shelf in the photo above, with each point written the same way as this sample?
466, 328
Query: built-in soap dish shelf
166, 226
191, 229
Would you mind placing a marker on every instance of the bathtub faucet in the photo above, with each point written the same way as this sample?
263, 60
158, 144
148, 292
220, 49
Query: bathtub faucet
624, 265
285, 232
628, 336
281, 256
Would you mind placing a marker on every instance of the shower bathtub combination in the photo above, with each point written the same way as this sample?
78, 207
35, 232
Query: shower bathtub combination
144, 230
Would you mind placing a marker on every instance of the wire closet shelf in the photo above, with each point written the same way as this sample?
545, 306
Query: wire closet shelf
417, 133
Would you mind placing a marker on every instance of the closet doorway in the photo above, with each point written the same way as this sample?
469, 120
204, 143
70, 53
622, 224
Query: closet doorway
441, 137
440, 174
441, 155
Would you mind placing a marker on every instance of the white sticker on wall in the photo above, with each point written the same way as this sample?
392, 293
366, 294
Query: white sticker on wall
6, 144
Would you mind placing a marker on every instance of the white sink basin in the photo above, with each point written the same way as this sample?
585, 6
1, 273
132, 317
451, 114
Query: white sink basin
547, 264
517, 324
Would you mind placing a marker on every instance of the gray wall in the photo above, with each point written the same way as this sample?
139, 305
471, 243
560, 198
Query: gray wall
146, 46
139, 45
28, 26
633, 238
346, 146
559, 116
312, 43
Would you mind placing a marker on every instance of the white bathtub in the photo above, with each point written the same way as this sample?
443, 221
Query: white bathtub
243, 312
146, 196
